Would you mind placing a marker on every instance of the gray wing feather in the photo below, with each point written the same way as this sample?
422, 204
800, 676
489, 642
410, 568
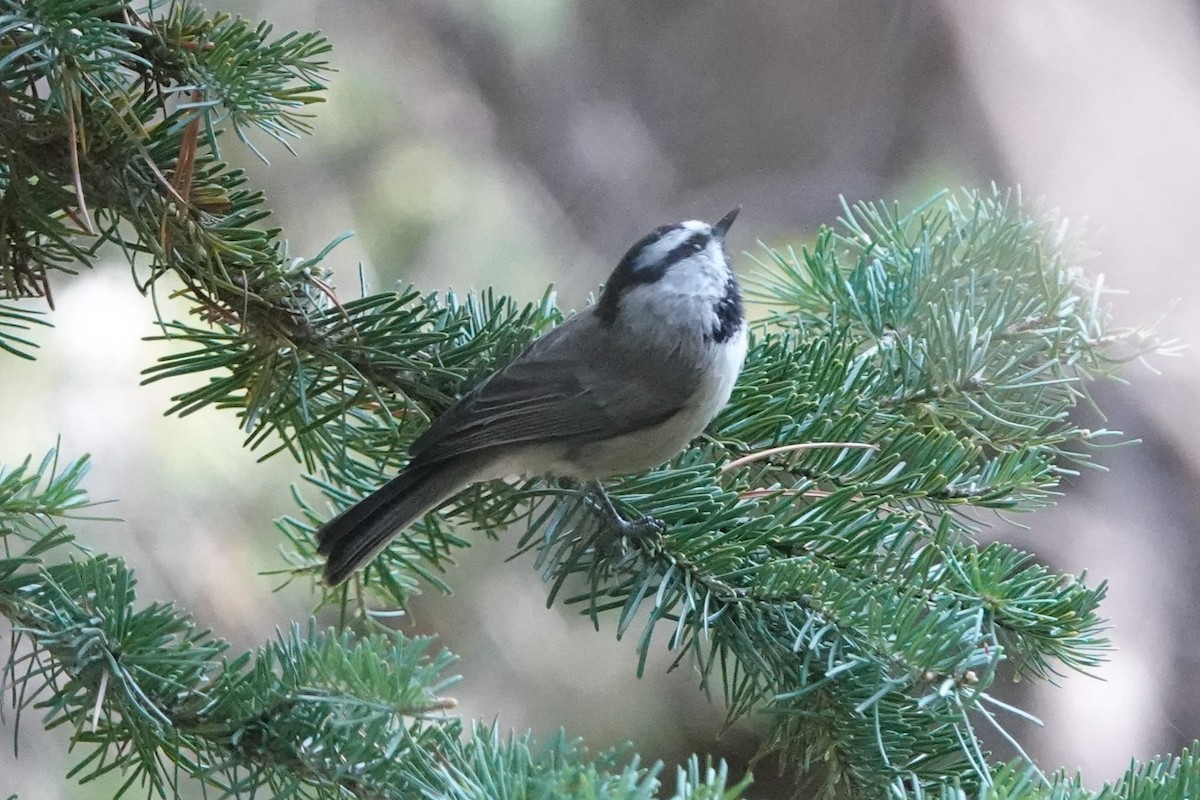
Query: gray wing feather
578, 381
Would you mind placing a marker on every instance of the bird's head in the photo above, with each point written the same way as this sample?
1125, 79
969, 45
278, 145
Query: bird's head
680, 271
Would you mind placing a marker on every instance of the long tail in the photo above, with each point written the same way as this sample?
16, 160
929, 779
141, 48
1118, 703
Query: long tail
353, 537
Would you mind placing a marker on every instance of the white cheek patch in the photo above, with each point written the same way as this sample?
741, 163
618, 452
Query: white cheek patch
685, 280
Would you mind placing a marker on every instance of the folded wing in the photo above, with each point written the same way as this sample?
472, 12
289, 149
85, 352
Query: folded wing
577, 382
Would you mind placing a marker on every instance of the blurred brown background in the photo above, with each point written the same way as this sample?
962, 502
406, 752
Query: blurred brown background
519, 142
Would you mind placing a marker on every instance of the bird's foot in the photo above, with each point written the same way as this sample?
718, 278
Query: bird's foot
644, 525
622, 528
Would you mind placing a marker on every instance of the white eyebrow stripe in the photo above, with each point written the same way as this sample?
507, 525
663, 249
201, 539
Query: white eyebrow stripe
657, 251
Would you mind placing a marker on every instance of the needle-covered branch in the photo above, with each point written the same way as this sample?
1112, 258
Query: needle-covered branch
157, 703
911, 373
109, 124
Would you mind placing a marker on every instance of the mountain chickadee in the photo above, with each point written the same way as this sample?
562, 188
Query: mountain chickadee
616, 389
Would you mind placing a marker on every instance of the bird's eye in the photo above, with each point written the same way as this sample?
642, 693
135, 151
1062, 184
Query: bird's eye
697, 245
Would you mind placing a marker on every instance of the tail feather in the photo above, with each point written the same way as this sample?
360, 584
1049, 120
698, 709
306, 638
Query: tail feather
353, 537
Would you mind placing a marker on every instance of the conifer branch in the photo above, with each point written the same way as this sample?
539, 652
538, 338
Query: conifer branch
837, 588
818, 568
319, 714
315, 714
100, 106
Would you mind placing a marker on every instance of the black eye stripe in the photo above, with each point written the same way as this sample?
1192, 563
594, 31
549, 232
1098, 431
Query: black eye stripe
626, 276
690, 246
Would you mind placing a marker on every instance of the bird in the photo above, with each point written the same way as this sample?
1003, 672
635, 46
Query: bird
617, 389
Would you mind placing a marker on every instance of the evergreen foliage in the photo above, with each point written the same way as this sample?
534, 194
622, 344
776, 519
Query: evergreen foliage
912, 373
148, 696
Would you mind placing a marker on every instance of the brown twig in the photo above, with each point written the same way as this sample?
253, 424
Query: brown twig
789, 448
181, 178
76, 178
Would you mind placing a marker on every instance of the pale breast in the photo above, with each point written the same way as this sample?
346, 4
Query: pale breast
652, 446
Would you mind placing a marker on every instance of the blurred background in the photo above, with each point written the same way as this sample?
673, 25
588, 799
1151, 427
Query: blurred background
521, 142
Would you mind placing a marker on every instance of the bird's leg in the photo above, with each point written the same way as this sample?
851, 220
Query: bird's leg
603, 504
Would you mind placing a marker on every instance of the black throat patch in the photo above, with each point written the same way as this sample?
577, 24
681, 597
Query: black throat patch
729, 313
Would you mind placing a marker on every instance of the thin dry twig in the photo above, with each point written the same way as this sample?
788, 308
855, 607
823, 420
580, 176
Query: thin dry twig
76, 178
790, 448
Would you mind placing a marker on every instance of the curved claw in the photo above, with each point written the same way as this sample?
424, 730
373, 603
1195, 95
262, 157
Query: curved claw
644, 525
